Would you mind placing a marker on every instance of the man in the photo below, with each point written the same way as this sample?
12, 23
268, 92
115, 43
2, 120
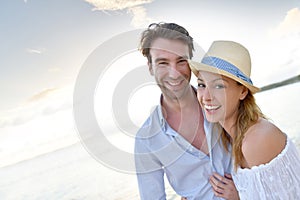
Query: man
176, 140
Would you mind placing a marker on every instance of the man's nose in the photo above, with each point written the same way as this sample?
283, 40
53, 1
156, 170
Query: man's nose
173, 71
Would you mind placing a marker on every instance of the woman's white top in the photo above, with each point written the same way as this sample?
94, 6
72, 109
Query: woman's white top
278, 179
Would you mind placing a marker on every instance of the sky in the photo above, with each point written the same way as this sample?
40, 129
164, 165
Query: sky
45, 43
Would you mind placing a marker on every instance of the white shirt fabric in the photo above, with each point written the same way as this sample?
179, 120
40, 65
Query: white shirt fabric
278, 179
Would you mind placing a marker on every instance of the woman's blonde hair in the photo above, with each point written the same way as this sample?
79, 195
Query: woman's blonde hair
248, 114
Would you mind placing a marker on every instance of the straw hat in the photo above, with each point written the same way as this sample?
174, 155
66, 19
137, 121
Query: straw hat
229, 59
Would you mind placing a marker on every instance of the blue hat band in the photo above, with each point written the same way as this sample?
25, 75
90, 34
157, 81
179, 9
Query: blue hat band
226, 66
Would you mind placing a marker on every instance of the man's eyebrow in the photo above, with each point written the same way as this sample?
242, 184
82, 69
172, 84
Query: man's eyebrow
165, 59
160, 59
182, 57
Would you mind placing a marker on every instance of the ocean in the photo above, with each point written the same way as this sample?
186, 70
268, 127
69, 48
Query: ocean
281, 106
71, 173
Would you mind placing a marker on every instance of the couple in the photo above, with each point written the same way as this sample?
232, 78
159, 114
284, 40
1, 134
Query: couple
198, 137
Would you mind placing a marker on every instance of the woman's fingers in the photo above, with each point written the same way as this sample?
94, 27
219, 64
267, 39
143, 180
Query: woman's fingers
228, 176
222, 179
223, 186
217, 184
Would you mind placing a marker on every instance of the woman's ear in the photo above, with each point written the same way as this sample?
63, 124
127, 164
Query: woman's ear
244, 93
150, 68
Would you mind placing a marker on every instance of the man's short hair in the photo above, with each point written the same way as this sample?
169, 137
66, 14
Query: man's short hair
170, 31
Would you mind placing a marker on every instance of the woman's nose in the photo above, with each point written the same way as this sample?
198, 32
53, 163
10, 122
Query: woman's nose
204, 94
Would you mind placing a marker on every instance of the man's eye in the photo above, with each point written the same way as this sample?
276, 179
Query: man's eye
182, 61
162, 63
201, 85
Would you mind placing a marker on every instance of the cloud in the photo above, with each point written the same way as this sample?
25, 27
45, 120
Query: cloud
134, 7
289, 25
281, 49
46, 102
41, 95
139, 16
111, 5
35, 51
54, 69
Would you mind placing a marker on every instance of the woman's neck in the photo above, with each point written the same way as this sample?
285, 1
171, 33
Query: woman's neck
230, 127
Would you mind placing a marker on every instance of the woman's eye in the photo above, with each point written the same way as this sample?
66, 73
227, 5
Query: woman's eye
219, 86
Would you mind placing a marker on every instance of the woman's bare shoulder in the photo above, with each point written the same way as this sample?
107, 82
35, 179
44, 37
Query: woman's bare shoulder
262, 143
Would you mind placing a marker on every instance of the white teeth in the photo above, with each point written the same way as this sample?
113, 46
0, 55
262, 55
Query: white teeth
174, 83
211, 107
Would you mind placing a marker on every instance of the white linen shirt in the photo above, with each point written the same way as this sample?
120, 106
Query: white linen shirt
159, 151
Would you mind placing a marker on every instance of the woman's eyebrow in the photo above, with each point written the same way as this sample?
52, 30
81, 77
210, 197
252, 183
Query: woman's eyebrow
199, 79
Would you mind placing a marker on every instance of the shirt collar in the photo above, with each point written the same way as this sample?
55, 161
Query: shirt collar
162, 120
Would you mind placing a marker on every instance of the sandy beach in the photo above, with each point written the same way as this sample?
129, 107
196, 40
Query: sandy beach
70, 174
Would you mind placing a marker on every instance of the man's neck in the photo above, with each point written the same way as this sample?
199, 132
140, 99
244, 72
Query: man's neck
173, 106
185, 117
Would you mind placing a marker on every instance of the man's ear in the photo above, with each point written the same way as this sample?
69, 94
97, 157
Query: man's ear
150, 68
244, 93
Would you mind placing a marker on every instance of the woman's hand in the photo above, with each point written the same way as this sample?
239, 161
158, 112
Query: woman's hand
224, 186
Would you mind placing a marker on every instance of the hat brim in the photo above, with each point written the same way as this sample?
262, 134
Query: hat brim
196, 67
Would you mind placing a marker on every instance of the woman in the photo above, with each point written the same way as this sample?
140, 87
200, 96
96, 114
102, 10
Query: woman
266, 162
